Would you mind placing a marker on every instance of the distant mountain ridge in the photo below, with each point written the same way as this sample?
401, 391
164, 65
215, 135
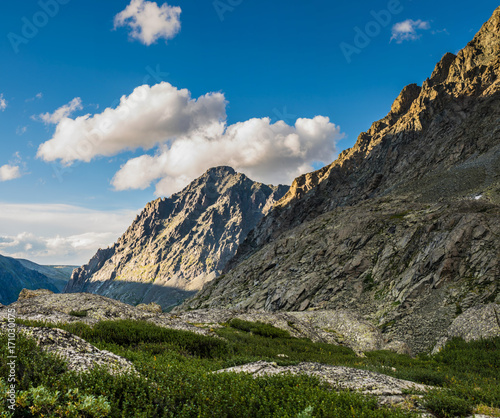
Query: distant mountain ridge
178, 244
14, 277
59, 274
403, 228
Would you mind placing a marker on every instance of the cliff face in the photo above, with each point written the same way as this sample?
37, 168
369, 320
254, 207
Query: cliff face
403, 227
436, 127
178, 244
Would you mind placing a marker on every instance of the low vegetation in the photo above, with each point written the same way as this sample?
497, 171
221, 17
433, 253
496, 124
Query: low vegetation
176, 376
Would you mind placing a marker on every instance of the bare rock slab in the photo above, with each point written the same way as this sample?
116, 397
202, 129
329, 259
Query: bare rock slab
388, 390
79, 354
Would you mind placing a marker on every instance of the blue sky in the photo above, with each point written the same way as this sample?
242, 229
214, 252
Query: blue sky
218, 75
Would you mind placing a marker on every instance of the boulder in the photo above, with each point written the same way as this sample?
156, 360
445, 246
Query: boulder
151, 307
27, 293
478, 322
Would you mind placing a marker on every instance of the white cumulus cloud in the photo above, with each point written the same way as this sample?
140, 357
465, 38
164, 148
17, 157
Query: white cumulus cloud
145, 118
148, 22
271, 153
189, 136
63, 112
3, 103
408, 30
9, 172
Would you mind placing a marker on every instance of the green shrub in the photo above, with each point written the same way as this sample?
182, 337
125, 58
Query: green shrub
80, 314
128, 333
444, 405
259, 328
41, 401
33, 365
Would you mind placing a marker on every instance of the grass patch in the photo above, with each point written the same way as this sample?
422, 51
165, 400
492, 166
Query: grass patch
445, 405
259, 328
79, 314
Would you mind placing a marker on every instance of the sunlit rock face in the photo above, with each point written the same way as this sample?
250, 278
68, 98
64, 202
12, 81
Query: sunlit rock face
178, 244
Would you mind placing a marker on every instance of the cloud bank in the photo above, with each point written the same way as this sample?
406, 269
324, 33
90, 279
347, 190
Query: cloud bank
59, 233
188, 137
148, 22
408, 30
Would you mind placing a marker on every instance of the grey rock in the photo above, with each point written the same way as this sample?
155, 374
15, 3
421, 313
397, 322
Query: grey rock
478, 322
407, 284
151, 307
388, 390
79, 354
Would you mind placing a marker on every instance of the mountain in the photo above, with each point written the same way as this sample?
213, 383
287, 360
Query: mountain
14, 277
403, 228
178, 244
60, 275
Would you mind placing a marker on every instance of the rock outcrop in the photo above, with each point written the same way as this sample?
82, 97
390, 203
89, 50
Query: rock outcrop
478, 322
403, 228
338, 327
387, 389
79, 355
27, 293
334, 327
178, 244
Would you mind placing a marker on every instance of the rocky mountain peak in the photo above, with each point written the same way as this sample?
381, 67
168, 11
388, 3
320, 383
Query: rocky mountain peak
405, 99
179, 243
440, 73
220, 172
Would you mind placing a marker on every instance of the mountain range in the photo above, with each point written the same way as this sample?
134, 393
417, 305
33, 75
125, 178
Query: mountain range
402, 229
16, 275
